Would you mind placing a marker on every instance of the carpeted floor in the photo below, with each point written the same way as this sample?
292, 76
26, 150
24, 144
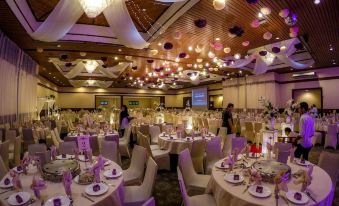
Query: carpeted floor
167, 191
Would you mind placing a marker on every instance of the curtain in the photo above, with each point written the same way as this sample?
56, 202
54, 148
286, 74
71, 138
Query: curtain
18, 83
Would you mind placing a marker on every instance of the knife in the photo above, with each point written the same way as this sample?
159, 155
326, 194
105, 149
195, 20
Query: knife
310, 196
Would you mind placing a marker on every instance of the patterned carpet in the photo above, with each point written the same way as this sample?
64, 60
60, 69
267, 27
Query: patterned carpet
167, 191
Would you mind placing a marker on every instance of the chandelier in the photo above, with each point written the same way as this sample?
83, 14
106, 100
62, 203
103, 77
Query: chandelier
269, 58
91, 65
93, 8
90, 82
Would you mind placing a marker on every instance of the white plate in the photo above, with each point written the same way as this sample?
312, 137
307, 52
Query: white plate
107, 162
2, 183
302, 164
59, 157
229, 177
218, 165
103, 189
108, 173
24, 195
266, 191
290, 197
65, 201
21, 171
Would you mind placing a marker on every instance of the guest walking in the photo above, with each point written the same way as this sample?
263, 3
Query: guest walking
227, 119
306, 131
123, 120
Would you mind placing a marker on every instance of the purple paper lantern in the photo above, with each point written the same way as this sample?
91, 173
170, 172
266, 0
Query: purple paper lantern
150, 61
182, 55
276, 50
291, 20
200, 23
168, 46
263, 53
252, 1
237, 31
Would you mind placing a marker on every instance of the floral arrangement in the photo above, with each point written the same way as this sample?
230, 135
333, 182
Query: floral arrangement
269, 111
291, 108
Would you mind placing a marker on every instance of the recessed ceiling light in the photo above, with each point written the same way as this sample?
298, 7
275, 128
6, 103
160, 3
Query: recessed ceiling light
58, 45
116, 58
317, 1
190, 48
277, 38
50, 73
143, 9
331, 48
119, 50
54, 77
217, 39
333, 63
159, 44
260, 15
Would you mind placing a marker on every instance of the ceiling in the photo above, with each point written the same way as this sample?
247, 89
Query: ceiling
318, 27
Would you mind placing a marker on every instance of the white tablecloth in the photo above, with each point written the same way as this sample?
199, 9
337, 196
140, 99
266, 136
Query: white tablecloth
114, 196
227, 194
178, 145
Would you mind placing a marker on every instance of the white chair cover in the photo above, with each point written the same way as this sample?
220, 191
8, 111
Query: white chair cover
239, 143
222, 133
124, 143
154, 133
33, 148
196, 183
213, 154
3, 168
4, 153
67, 147
227, 147
134, 174
331, 136
197, 155
109, 150
137, 195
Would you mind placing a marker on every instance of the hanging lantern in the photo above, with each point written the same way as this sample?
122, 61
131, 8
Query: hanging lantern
227, 50
246, 43
219, 4
94, 8
265, 11
255, 23
284, 13
211, 55
268, 35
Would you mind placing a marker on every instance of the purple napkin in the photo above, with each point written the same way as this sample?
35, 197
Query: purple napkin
297, 196
57, 202
114, 172
53, 152
67, 182
19, 199
37, 185
7, 181
96, 188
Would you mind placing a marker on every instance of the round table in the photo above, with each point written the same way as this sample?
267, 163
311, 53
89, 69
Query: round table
226, 194
114, 196
178, 144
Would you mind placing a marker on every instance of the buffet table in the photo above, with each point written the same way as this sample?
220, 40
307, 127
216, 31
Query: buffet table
114, 195
228, 194
178, 144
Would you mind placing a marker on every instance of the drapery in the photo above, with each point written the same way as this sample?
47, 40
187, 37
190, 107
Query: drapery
85, 83
17, 83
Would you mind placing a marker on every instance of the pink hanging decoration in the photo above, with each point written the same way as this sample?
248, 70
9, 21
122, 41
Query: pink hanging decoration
267, 35
246, 43
67, 182
37, 185
284, 13
255, 23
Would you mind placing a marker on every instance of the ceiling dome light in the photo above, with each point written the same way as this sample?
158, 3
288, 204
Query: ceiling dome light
91, 65
90, 82
219, 4
317, 1
93, 8
237, 56
269, 58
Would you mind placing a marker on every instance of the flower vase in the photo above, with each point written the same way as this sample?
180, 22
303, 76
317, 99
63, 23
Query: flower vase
271, 124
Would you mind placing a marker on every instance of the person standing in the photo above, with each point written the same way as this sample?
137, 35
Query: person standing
227, 119
306, 132
123, 120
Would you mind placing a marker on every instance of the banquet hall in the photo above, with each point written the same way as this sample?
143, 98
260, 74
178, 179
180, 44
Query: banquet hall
169, 102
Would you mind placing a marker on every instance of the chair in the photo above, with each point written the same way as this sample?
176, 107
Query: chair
238, 143
109, 150
330, 163
196, 183
249, 132
114, 138
197, 155
331, 136
144, 129
227, 146
222, 133
213, 129
134, 174
94, 143
282, 156
153, 146
4, 152
137, 195
55, 139
281, 147
124, 143
197, 200
149, 202
45, 157
154, 132
3, 169
67, 147
15, 156
317, 138
161, 157
27, 136
33, 148
213, 154
10, 136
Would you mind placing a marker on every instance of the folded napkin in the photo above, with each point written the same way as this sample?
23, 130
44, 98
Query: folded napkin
53, 152
26, 160
67, 182
255, 176
97, 167
305, 178
281, 182
235, 154
230, 162
16, 180
38, 184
